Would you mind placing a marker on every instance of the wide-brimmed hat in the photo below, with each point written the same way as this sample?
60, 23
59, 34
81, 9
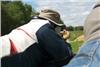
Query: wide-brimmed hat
52, 16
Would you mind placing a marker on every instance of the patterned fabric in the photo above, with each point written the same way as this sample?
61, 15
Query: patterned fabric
88, 55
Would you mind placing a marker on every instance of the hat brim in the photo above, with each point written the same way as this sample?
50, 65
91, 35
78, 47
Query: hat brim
53, 21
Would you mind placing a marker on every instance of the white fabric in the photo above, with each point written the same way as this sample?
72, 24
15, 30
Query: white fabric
23, 37
21, 40
5, 46
31, 28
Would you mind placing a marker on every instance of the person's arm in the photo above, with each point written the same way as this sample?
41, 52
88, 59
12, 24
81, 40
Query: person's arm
31, 57
54, 45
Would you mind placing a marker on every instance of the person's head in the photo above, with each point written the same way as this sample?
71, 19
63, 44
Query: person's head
52, 16
65, 34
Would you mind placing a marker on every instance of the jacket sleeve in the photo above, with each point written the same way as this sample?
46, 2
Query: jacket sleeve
54, 45
31, 57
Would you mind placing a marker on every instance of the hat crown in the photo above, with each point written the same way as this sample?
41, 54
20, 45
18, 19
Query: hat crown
51, 12
52, 16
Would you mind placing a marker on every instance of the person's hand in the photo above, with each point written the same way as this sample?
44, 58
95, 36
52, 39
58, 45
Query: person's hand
65, 34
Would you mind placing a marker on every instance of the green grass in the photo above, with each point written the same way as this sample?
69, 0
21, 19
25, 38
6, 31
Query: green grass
75, 34
75, 46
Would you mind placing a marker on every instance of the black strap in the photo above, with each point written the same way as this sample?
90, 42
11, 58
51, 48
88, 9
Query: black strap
98, 5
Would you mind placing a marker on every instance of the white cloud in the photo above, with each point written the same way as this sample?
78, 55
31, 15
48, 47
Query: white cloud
73, 12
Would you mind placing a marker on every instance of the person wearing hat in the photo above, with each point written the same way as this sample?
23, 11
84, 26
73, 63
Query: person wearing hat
89, 53
36, 44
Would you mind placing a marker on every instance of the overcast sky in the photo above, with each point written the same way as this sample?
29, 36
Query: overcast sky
73, 12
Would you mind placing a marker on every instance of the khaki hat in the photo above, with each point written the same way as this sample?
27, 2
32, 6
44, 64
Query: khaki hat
52, 16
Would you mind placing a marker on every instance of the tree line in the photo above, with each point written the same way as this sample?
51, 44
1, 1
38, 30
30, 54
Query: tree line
75, 28
14, 14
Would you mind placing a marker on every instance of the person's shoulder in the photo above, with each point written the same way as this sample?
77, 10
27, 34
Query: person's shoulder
45, 29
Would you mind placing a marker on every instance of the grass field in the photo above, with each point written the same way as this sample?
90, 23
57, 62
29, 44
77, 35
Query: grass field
75, 34
75, 44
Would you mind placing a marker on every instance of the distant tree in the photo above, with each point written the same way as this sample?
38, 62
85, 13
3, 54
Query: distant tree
27, 12
70, 28
74, 28
14, 14
78, 28
6, 20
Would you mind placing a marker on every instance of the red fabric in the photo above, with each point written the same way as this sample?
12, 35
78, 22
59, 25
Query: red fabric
13, 48
24, 32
